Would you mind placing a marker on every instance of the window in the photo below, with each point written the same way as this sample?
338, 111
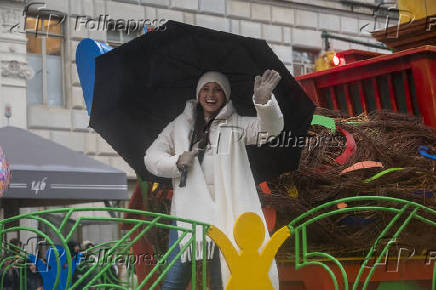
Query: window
116, 37
44, 55
303, 60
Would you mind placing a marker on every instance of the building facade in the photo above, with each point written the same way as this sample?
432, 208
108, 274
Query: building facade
39, 85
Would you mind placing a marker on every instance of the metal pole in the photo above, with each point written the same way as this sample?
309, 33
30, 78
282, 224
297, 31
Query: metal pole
326, 35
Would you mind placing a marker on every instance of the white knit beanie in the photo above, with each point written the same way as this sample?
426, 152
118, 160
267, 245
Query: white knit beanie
217, 77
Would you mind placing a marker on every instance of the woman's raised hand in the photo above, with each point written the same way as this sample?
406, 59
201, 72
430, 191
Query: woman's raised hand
264, 85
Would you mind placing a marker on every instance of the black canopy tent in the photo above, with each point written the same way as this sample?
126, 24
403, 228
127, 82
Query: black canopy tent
44, 173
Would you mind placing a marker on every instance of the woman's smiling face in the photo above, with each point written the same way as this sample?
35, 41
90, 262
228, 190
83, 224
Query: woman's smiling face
211, 97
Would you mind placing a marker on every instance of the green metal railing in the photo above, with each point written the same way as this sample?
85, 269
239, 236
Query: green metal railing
103, 278
99, 275
407, 210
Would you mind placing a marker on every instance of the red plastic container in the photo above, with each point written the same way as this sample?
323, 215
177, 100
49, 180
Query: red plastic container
400, 82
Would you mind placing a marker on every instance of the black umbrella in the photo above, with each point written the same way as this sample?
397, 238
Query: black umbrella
143, 85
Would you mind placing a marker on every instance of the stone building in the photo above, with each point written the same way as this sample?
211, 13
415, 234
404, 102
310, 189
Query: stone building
39, 81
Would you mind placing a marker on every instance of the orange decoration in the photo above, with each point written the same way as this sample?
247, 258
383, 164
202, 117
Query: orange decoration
362, 165
265, 188
269, 212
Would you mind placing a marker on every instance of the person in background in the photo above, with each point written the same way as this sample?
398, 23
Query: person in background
84, 266
10, 271
34, 279
11, 276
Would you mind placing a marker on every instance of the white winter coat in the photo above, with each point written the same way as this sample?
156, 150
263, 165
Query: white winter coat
233, 190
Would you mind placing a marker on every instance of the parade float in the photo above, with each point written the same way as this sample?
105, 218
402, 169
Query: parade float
382, 107
367, 167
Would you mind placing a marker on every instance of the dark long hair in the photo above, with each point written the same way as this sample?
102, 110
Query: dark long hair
199, 124
200, 133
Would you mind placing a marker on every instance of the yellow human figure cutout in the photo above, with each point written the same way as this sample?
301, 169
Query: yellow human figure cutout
249, 267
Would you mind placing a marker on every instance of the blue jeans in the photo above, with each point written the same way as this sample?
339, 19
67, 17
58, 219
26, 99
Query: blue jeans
179, 275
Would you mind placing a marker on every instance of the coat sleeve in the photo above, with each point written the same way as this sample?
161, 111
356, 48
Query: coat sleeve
160, 158
269, 122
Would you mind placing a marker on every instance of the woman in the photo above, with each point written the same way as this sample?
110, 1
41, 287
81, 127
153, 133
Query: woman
219, 185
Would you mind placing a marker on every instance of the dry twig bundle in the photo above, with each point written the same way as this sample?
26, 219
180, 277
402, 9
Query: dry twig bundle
390, 138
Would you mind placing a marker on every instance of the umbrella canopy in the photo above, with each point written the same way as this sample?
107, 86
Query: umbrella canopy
143, 85
41, 169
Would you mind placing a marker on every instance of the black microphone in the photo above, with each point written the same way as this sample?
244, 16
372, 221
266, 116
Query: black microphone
183, 177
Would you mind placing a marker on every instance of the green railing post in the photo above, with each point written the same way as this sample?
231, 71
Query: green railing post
304, 237
194, 257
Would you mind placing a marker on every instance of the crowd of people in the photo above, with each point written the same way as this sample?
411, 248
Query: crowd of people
22, 270
14, 267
